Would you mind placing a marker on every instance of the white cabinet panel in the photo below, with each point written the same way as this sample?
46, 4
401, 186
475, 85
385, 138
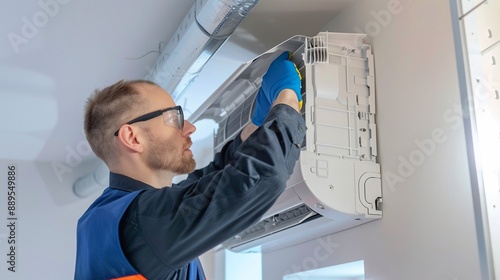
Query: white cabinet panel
468, 5
491, 80
482, 24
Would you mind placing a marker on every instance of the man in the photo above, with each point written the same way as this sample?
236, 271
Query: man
145, 227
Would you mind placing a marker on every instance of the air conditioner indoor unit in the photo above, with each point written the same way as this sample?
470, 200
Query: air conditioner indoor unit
336, 183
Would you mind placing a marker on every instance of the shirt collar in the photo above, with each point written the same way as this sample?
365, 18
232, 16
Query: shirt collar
125, 183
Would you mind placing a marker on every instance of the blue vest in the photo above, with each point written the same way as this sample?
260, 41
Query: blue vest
98, 252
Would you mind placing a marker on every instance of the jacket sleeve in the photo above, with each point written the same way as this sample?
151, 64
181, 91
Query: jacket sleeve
224, 157
181, 223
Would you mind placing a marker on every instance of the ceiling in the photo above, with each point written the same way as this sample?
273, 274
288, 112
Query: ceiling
53, 56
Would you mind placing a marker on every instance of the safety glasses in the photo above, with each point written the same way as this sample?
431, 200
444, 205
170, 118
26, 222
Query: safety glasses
172, 116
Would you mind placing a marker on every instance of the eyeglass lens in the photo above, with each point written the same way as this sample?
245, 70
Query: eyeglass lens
174, 118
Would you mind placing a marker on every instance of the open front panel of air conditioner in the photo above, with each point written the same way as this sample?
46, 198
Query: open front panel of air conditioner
336, 183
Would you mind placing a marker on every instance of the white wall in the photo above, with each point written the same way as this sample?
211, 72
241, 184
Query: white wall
46, 211
428, 230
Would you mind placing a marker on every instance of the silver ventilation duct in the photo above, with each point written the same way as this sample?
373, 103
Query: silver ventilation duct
208, 24
206, 27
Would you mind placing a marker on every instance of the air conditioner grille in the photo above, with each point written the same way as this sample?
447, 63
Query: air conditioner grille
273, 224
246, 113
317, 50
233, 124
220, 135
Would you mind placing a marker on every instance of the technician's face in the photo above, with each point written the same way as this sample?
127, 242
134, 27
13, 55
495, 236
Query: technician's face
168, 143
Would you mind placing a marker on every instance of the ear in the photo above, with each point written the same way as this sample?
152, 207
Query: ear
129, 137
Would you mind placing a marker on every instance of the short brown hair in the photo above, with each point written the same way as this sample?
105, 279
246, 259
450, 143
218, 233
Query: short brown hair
105, 111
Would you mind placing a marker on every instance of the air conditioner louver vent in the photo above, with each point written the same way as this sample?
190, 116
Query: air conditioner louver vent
274, 223
317, 50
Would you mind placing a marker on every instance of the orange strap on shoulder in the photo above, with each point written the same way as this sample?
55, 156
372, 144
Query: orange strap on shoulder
131, 277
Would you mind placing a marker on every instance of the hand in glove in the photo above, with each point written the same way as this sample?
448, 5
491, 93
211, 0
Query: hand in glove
282, 74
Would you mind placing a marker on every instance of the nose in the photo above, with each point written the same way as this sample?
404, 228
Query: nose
189, 128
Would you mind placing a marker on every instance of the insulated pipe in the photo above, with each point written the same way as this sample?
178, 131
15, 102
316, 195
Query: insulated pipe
208, 24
